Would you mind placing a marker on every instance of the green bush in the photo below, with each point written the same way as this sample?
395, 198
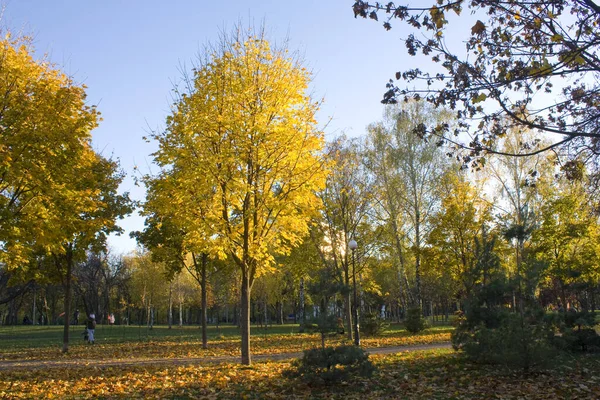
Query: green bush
517, 341
503, 322
372, 325
326, 325
323, 366
577, 330
578, 319
310, 327
581, 339
414, 321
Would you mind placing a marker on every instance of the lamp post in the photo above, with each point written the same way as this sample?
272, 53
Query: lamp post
353, 245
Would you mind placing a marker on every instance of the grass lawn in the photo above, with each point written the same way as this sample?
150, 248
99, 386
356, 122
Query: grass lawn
45, 342
440, 374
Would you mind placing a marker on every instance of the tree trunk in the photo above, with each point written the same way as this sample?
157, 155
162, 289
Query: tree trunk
402, 278
203, 284
563, 297
33, 312
180, 314
446, 311
418, 258
520, 248
147, 314
302, 318
235, 318
280, 313
69, 265
170, 317
11, 314
45, 312
433, 316
266, 314
245, 319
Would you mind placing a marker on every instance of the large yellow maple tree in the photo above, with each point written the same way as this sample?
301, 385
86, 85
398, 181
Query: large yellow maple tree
244, 150
58, 197
45, 127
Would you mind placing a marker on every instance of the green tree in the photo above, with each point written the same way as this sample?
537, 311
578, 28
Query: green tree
567, 240
149, 289
517, 202
323, 288
462, 217
408, 171
347, 200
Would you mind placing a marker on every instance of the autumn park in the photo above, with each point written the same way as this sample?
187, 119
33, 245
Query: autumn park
447, 249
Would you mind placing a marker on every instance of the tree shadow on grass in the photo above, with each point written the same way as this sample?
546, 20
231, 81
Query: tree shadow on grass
436, 374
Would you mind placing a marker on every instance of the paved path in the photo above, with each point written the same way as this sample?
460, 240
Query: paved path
136, 362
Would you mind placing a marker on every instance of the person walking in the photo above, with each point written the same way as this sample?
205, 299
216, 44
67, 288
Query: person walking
90, 325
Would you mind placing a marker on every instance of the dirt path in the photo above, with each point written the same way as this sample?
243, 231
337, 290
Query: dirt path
137, 362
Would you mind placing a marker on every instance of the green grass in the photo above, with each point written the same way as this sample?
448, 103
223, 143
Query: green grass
29, 336
123, 342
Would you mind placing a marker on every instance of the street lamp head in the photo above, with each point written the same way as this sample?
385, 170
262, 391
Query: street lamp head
352, 244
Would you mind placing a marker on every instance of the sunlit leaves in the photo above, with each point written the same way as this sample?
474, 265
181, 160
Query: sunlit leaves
55, 190
436, 374
241, 157
244, 148
459, 222
45, 144
567, 240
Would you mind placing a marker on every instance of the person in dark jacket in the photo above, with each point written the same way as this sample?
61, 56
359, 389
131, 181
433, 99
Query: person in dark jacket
90, 325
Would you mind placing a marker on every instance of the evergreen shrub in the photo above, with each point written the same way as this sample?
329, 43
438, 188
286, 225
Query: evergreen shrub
331, 364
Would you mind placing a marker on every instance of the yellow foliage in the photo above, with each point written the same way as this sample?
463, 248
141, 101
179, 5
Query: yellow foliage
52, 183
242, 157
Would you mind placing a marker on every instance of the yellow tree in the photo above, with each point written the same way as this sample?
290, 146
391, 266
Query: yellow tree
85, 212
45, 125
149, 286
567, 240
58, 197
462, 218
166, 235
244, 147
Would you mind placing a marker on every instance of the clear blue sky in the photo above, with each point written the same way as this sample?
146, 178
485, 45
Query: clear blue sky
129, 53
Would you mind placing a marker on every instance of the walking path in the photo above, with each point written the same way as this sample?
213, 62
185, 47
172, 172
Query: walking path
137, 362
